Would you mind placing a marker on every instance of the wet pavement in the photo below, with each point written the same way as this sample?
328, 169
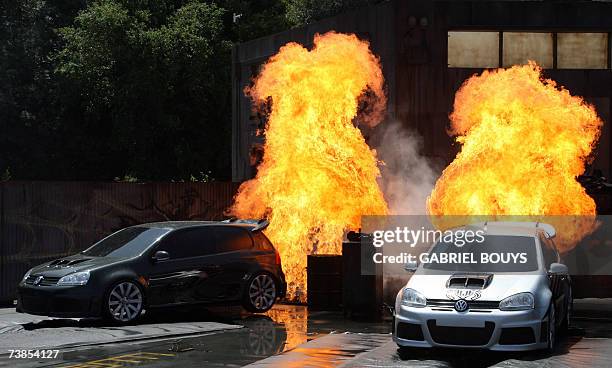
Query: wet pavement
286, 336
240, 338
575, 350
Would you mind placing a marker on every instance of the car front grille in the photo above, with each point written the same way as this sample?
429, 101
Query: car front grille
472, 304
467, 336
46, 280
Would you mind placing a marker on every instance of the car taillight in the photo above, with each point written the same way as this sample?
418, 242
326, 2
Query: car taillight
278, 260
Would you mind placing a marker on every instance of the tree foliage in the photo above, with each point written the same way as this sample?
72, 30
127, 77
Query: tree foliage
307, 11
99, 89
154, 87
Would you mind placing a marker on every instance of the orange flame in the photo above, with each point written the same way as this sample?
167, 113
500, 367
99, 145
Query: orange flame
318, 175
523, 143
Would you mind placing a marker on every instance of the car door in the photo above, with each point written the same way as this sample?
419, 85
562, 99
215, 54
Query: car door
234, 249
559, 283
188, 275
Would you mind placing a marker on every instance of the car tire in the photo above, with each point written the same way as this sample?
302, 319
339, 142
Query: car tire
260, 293
552, 328
124, 302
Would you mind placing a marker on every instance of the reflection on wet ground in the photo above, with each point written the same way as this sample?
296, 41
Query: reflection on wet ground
330, 350
291, 336
281, 329
582, 347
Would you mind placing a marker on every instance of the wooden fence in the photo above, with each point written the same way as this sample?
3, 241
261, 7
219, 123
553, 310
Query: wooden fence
41, 221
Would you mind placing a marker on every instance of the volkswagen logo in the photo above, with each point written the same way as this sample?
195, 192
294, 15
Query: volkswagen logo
38, 280
461, 305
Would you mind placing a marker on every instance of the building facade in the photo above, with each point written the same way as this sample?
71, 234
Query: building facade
429, 48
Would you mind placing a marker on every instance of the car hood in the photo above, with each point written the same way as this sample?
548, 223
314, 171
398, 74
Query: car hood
75, 263
499, 287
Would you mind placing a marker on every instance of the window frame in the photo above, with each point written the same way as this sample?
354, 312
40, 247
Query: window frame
554, 32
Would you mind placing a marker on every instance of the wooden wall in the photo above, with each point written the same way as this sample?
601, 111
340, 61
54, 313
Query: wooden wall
42, 221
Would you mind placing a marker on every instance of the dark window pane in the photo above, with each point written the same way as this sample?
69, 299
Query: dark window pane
230, 239
125, 243
261, 241
189, 243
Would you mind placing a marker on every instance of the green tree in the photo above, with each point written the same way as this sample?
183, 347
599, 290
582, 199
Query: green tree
154, 88
255, 18
300, 12
28, 104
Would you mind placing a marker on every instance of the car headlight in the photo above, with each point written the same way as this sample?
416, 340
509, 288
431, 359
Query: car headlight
27, 274
398, 300
77, 278
412, 298
520, 301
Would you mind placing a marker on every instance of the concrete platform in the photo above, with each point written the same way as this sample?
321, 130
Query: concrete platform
23, 331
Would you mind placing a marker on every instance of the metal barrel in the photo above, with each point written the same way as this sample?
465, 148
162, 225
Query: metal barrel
324, 282
362, 294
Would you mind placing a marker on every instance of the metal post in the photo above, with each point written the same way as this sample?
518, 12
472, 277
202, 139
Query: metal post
2, 249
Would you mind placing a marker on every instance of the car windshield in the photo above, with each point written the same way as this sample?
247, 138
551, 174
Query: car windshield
125, 243
497, 253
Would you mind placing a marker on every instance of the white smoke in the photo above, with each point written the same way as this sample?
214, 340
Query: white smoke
408, 177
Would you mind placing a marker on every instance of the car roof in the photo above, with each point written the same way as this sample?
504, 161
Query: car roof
175, 225
515, 228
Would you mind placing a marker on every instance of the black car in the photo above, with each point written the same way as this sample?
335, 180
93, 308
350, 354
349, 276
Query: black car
159, 264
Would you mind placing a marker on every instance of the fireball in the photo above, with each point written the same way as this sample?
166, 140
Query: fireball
524, 140
318, 175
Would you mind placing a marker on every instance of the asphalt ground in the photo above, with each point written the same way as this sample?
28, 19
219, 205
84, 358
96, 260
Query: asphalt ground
286, 336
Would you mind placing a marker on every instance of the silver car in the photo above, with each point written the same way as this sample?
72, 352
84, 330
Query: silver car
511, 306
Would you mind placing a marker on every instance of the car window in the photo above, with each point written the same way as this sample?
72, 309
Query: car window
261, 241
549, 252
493, 244
186, 243
128, 242
231, 239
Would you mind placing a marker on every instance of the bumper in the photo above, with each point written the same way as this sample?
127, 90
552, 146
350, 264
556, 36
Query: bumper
491, 329
58, 301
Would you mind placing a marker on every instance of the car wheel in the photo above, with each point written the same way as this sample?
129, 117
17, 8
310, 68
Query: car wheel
124, 302
260, 293
552, 328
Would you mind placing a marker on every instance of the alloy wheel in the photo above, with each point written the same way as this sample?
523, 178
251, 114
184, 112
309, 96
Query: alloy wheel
125, 302
262, 292
262, 339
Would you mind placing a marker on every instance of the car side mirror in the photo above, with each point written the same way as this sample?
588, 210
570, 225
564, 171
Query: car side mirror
161, 255
558, 268
411, 266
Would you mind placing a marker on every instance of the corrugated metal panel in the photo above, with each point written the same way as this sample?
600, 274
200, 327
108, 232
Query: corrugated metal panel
42, 221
